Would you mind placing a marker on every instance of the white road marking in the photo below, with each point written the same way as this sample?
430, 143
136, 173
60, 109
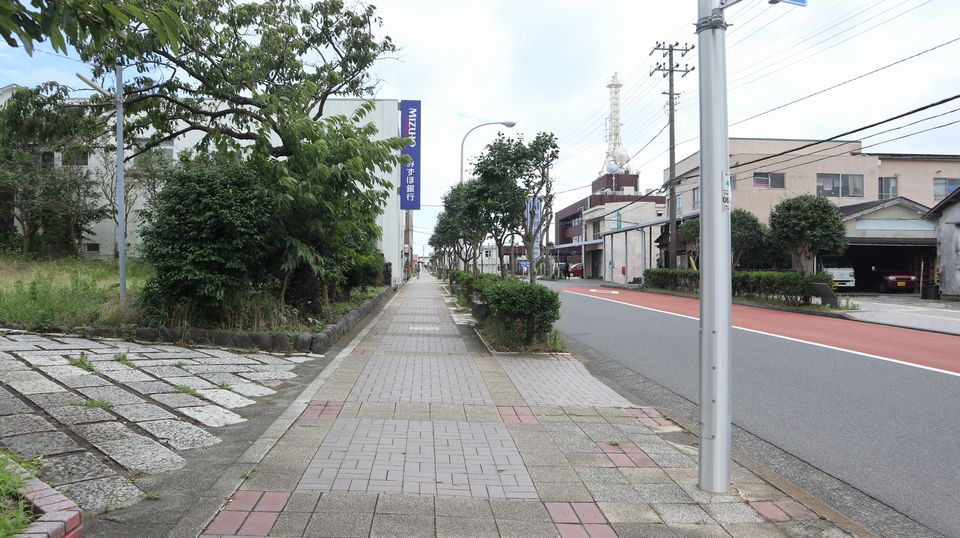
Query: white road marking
611, 292
825, 346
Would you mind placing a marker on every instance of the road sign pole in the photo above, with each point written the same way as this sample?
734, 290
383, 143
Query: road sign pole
715, 277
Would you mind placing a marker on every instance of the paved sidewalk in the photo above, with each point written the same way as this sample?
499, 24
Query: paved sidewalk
415, 430
908, 312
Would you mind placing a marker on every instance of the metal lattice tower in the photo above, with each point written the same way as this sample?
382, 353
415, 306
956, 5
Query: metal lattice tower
614, 140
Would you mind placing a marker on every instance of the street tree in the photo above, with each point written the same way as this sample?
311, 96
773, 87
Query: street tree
747, 236
254, 78
689, 232
43, 151
501, 198
76, 22
805, 226
462, 204
539, 156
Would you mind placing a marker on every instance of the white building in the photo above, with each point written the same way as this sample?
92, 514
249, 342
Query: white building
385, 116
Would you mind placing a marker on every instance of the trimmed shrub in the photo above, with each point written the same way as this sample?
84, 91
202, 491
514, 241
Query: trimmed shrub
209, 235
785, 286
367, 271
672, 279
526, 311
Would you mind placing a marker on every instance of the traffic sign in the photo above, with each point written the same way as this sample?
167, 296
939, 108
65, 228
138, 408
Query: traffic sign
802, 3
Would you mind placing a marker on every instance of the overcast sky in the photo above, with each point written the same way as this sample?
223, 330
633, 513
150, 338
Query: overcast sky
545, 64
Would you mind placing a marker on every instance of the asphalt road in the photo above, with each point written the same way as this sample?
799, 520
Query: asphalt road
886, 428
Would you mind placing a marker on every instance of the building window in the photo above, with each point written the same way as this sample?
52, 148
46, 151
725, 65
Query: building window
696, 197
679, 205
840, 185
887, 188
75, 158
769, 180
93, 247
943, 186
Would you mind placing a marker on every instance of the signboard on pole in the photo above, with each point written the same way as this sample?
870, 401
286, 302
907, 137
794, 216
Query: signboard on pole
801, 3
619, 220
534, 209
410, 173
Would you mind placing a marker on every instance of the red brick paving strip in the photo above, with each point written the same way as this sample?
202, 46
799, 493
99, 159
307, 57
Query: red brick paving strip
249, 513
322, 409
627, 455
796, 510
60, 517
579, 520
649, 416
516, 415
770, 511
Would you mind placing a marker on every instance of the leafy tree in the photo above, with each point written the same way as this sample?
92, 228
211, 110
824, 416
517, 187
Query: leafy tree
210, 236
501, 198
747, 236
463, 213
53, 202
542, 152
806, 225
254, 78
75, 22
245, 71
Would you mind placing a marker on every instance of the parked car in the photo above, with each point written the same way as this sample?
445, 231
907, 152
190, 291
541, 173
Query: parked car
838, 267
576, 270
887, 280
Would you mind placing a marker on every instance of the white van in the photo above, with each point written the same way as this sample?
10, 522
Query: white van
839, 268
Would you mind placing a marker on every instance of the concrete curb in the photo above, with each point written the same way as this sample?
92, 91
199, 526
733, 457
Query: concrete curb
59, 516
274, 341
205, 509
847, 316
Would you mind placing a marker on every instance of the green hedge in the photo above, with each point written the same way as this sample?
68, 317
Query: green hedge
526, 311
789, 287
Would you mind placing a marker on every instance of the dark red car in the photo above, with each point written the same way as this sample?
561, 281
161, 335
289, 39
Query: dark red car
889, 280
576, 270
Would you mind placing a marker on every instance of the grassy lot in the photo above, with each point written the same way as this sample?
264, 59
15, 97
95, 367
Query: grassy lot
79, 292
72, 292
15, 513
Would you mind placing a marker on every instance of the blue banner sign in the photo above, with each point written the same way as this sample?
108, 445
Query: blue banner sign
410, 173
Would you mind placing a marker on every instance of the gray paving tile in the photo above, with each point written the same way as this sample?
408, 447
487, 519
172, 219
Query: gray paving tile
12, 406
340, 525
226, 398
141, 412
466, 527
404, 504
552, 382
619, 512
290, 524
69, 468
526, 529
114, 395
682, 513
112, 492
141, 454
212, 415
726, 513
80, 415
151, 387
463, 508
347, 502
449, 380
519, 510
179, 435
104, 431
31, 445
177, 399
402, 526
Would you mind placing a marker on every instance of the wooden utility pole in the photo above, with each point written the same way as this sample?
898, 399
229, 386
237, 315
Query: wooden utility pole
668, 69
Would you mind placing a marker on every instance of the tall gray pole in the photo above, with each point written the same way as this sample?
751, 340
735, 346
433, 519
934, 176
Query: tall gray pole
121, 190
715, 277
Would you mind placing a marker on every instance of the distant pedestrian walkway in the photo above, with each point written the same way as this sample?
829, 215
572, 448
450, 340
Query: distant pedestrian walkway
939, 316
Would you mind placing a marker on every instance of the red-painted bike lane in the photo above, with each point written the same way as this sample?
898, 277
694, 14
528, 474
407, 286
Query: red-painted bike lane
930, 350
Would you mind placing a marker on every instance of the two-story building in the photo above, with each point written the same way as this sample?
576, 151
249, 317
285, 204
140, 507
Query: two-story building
582, 227
883, 197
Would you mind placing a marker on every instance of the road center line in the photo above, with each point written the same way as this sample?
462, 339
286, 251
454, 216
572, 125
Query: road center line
818, 344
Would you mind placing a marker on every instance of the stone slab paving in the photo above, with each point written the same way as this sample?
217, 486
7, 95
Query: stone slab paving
411, 434
97, 411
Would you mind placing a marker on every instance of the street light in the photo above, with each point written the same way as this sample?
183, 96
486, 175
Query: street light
121, 188
508, 124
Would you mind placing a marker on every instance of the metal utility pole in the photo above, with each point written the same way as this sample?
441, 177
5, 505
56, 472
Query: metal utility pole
668, 71
716, 281
121, 190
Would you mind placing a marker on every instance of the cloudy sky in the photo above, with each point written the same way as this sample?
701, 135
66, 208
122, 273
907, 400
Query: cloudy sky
545, 64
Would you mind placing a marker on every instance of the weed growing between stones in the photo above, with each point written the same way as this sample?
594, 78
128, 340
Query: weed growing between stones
82, 362
188, 390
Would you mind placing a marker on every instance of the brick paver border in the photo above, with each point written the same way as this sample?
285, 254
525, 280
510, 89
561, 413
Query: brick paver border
60, 517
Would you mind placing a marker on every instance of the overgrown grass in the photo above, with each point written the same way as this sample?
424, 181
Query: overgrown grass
122, 359
74, 292
82, 293
504, 340
15, 512
183, 389
82, 362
